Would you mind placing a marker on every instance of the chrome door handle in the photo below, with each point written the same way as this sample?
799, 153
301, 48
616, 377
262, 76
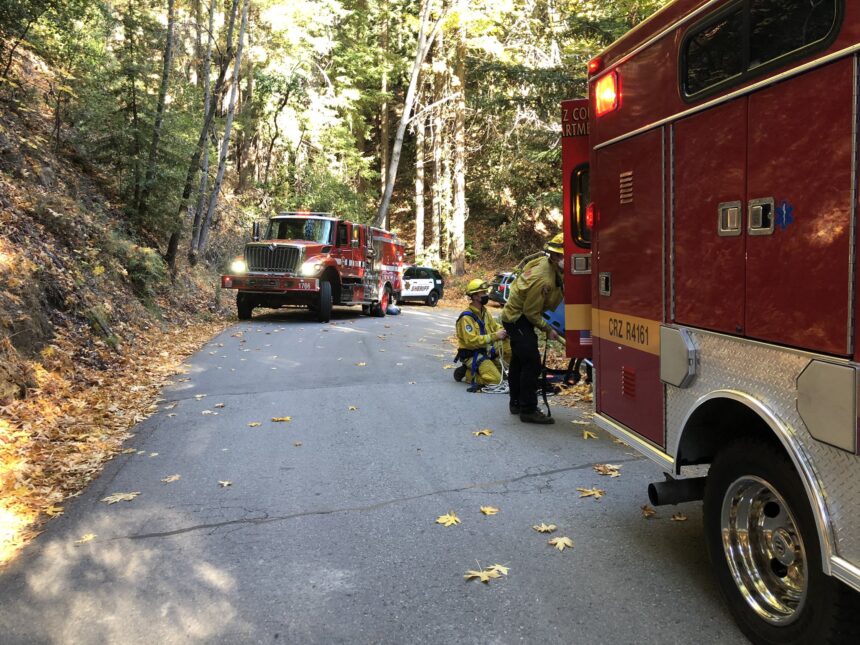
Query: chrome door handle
761, 216
729, 215
604, 284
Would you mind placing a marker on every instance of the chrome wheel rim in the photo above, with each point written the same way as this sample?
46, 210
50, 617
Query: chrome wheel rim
764, 550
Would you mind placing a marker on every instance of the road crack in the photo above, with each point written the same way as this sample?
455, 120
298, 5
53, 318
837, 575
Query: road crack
356, 509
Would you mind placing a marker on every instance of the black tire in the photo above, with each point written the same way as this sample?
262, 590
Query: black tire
244, 306
772, 577
366, 310
431, 299
325, 302
380, 308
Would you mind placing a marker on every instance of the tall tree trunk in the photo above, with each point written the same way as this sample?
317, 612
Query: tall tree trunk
159, 113
197, 213
438, 143
421, 49
437, 205
384, 126
173, 243
419, 189
131, 76
225, 142
458, 223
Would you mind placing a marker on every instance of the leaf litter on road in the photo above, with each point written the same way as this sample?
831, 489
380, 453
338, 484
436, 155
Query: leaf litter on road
449, 519
596, 493
544, 528
561, 543
486, 432
489, 510
611, 470
120, 497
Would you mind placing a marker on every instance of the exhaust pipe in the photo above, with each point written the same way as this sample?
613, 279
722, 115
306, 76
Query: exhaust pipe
676, 491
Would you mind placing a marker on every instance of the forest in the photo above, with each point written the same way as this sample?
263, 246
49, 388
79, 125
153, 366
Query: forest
140, 139
419, 115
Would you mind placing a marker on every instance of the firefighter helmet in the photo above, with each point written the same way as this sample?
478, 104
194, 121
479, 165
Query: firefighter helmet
476, 286
555, 245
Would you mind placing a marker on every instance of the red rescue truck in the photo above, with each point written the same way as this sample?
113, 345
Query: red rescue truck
718, 202
316, 260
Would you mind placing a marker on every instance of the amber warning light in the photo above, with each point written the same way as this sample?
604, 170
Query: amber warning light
606, 94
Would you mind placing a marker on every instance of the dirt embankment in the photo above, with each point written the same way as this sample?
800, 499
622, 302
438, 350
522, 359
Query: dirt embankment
91, 326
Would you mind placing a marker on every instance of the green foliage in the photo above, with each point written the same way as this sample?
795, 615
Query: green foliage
144, 266
316, 81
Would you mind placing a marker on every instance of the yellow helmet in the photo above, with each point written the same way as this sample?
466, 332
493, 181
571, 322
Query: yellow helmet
476, 285
556, 244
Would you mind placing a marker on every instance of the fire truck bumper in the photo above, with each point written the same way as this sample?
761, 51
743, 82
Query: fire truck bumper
270, 284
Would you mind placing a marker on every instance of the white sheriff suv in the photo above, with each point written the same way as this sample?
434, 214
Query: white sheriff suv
422, 283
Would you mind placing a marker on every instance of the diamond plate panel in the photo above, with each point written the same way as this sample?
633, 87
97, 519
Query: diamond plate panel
768, 374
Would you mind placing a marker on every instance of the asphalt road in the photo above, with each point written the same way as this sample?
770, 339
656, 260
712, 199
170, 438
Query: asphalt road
326, 532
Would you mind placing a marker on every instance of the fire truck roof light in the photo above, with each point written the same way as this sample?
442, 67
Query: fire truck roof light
595, 65
606, 94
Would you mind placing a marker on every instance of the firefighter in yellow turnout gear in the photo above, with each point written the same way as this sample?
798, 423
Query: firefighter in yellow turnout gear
480, 340
538, 288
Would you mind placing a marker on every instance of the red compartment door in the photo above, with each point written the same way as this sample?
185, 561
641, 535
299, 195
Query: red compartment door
798, 287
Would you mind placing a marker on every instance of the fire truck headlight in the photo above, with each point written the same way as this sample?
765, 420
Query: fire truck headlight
238, 266
311, 267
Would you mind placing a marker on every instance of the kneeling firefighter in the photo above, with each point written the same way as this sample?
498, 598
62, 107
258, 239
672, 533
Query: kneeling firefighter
479, 339
538, 288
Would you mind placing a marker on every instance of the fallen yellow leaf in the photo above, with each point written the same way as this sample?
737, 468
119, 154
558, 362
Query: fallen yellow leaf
449, 367
225, 483
561, 543
486, 432
171, 478
120, 497
499, 568
648, 512
86, 537
596, 493
297, 443
360, 364
484, 575
679, 517
608, 469
449, 519
588, 435
219, 405
351, 408
254, 424
489, 510
544, 528
129, 451
282, 419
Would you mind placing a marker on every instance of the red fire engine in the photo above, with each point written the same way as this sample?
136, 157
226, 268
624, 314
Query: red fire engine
317, 260
722, 149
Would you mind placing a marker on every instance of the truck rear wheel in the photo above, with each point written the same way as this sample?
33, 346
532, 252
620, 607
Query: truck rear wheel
764, 548
380, 309
325, 302
244, 306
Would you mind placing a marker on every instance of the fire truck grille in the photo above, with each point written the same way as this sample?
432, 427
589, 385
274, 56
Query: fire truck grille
272, 258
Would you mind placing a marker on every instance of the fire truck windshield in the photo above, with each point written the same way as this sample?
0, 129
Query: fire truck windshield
311, 230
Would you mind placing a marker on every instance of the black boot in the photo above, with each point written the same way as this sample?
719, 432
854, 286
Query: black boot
460, 373
514, 407
536, 417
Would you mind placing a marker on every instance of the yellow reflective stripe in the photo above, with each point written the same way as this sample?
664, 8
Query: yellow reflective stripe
631, 331
577, 317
